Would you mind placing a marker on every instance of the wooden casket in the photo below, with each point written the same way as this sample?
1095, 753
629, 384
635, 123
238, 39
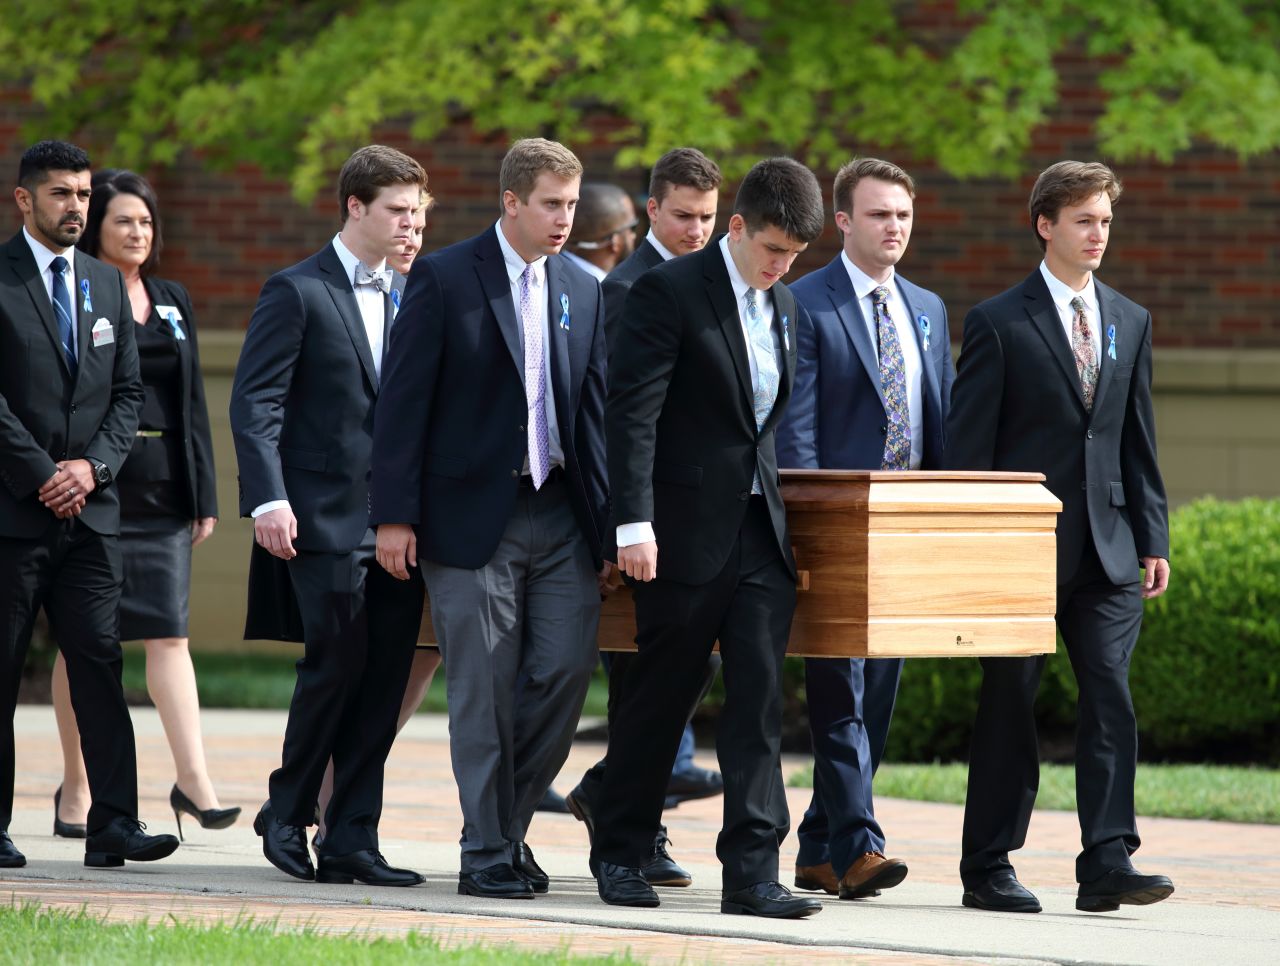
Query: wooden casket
908, 564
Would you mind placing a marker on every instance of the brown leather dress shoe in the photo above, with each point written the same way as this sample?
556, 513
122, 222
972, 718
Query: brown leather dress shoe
817, 878
871, 873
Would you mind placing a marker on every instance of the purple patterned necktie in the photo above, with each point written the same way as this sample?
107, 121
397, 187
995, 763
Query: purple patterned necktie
893, 383
1086, 357
535, 387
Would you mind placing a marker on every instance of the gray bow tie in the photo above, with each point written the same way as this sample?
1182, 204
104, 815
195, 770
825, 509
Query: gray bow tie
379, 280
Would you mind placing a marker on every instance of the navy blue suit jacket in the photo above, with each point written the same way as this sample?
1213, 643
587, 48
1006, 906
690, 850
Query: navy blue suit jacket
449, 438
837, 417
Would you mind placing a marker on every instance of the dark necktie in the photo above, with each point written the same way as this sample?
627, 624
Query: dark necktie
893, 383
62, 310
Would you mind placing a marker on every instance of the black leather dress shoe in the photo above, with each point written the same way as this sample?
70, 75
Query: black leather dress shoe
660, 869
10, 857
1001, 893
367, 866
693, 782
579, 806
499, 881
1122, 887
772, 900
622, 886
125, 838
522, 861
285, 846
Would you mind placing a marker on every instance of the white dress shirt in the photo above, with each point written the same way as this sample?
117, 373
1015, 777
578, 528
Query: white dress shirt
629, 534
44, 257
900, 314
591, 268
1062, 294
652, 239
538, 290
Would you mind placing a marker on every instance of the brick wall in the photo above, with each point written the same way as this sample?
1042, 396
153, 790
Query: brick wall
1197, 241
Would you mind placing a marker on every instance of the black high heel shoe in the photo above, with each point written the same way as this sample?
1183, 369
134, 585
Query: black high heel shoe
209, 818
66, 830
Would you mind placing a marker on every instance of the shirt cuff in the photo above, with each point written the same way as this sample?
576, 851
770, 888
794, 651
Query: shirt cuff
267, 507
629, 534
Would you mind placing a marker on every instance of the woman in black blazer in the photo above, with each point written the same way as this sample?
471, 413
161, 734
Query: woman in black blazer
168, 503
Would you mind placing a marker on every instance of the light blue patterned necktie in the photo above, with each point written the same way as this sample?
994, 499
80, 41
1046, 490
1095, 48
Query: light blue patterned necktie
765, 390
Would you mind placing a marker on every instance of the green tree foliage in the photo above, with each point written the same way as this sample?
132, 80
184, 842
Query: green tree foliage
293, 87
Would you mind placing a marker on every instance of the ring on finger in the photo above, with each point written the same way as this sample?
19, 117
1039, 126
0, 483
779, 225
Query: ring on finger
72, 491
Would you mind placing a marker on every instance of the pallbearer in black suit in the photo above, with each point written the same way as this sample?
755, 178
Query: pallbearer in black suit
168, 503
684, 193
488, 471
302, 417
69, 402
701, 368
873, 380
1055, 377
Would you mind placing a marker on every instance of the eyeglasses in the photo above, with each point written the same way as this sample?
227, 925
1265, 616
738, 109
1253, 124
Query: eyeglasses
604, 242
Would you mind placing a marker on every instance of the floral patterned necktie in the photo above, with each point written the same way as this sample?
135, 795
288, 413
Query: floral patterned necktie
893, 383
1086, 355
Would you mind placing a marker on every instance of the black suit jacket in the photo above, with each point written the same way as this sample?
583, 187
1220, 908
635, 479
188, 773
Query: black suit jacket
197, 441
450, 436
302, 404
681, 429
1017, 405
47, 416
311, 366
618, 283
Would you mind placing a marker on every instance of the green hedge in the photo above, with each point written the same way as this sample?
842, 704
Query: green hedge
1206, 673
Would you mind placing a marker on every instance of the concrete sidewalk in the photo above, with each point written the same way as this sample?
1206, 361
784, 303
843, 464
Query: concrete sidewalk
1226, 909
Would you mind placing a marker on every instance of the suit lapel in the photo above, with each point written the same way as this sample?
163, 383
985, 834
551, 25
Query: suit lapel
784, 317
650, 257
492, 270
932, 387
559, 305
1109, 314
1044, 316
849, 311
720, 292
158, 297
25, 269
344, 299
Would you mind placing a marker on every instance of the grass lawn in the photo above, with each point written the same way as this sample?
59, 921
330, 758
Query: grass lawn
1223, 792
265, 680
30, 934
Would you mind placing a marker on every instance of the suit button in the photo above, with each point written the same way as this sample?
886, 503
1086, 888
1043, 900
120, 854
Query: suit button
744, 495
1089, 434
1084, 485
74, 409
515, 474
884, 430
519, 429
